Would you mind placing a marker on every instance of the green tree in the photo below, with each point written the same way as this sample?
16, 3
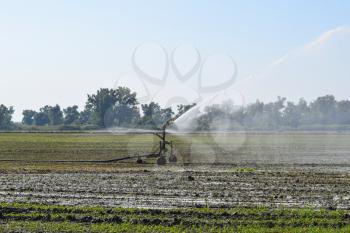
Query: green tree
6, 117
295, 115
41, 118
28, 117
99, 103
122, 115
211, 115
291, 115
71, 115
272, 116
125, 111
154, 116
343, 112
151, 114
86, 116
113, 107
253, 113
55, 115
323, 109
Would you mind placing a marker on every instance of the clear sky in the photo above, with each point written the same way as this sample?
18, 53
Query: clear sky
59, 51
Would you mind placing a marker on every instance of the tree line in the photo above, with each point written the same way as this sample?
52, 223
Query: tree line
280, 114
120, 108
106, 108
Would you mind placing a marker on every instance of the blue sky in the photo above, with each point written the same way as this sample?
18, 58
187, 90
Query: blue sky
58, 51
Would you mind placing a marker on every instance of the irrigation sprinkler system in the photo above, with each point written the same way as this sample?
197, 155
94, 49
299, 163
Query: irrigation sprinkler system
165, 152
166, 149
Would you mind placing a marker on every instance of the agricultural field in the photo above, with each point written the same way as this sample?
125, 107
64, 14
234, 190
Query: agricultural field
241, 147
21, 217
237, 182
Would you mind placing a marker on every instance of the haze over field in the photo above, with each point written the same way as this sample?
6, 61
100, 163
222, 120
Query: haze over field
318, 68
57, 52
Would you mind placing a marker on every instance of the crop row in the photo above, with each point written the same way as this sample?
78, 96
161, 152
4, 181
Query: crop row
196, 218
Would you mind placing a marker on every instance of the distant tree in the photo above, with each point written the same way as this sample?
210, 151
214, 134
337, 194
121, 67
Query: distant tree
122, 116
113, 106
154, 116
292, 115
119, 107
125, 109
6, 117
323, 109
28, 117
343, 112
149, 110
238, 117
304, 112
49, 115
55, 115
41, 118
86, 116
208, 120
273, 113
71, 115
253, 114
99, 103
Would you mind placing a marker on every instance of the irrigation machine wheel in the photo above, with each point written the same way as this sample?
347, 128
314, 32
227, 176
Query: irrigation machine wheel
161, 160
139, 161
172, 159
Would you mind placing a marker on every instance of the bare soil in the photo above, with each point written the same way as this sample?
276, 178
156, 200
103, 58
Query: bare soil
173, 186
